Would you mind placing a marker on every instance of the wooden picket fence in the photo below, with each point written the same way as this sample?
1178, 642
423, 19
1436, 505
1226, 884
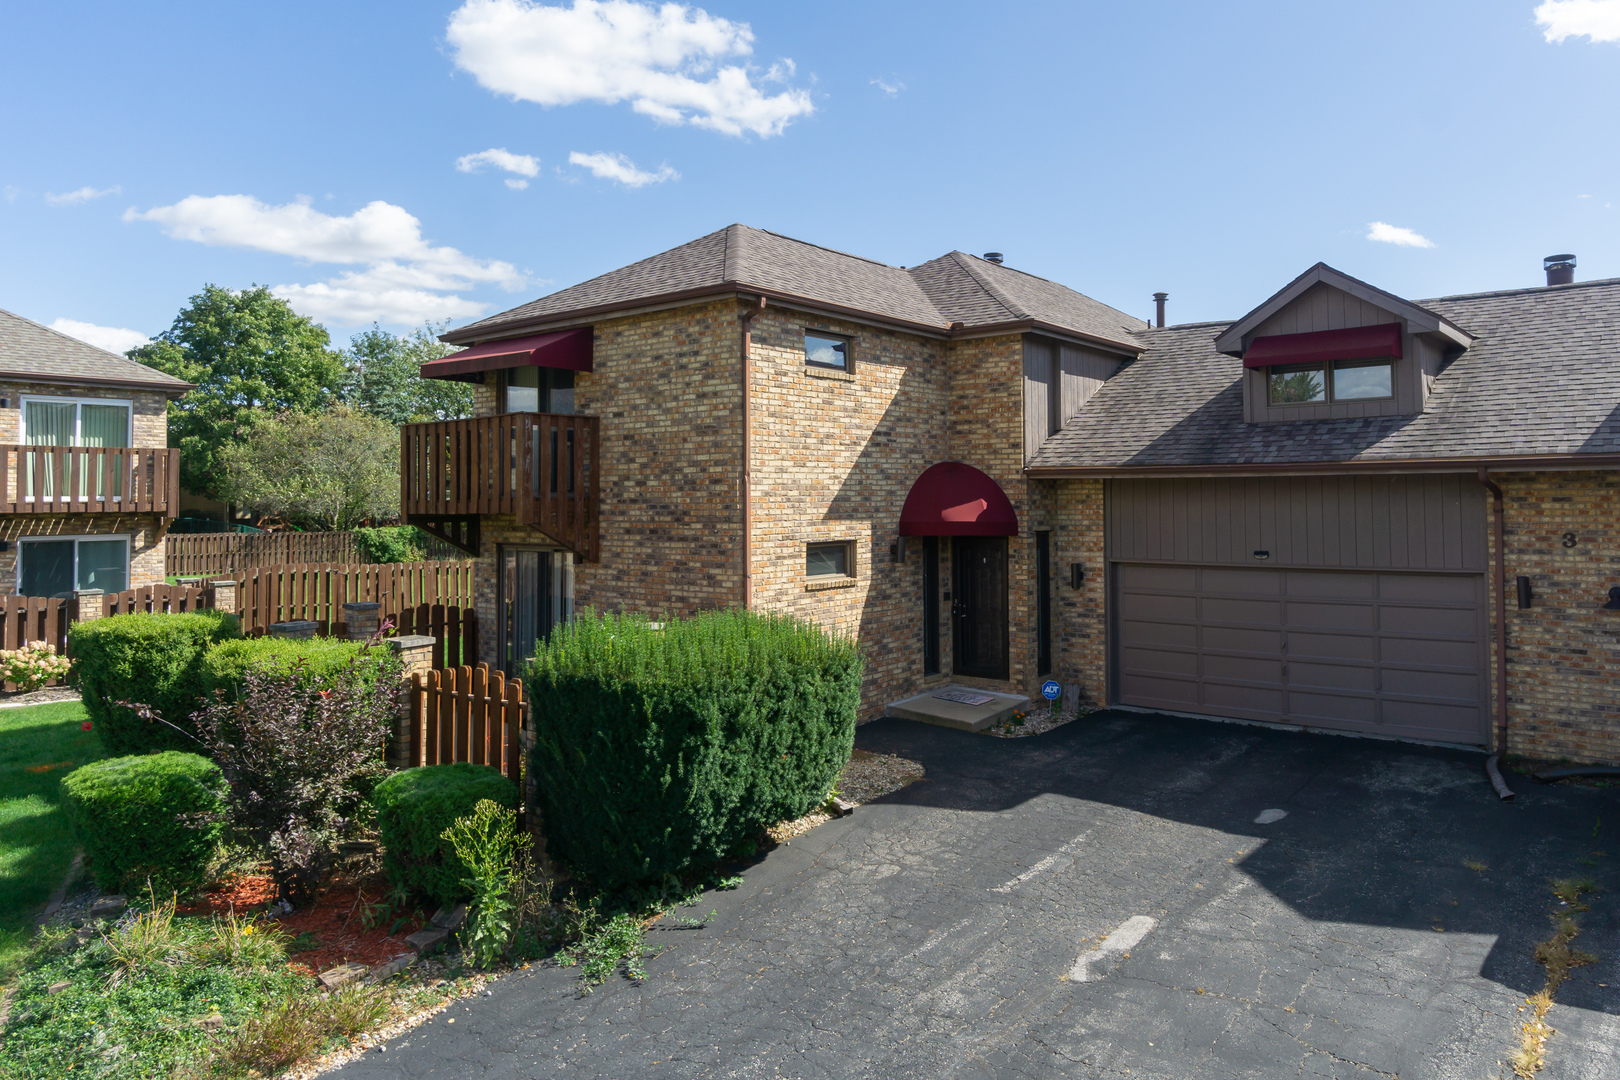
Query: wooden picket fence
467, 714
272, 594
232, 554
159, 598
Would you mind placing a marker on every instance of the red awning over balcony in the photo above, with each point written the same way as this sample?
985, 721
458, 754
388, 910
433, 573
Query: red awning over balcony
953, 499
569, 349
1356, 343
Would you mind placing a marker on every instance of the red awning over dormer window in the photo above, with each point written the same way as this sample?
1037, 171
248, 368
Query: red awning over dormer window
571, 349
1325, 346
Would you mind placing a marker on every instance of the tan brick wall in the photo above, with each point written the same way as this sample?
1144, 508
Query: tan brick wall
149, 421
1564, 652
146, 534
1073, 511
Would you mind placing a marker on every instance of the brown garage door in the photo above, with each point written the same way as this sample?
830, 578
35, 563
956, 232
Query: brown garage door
1391, 653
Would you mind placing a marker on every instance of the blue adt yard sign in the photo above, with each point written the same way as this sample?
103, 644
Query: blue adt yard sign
1051, 690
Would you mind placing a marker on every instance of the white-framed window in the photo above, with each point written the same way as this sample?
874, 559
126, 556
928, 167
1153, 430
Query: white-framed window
76, 422
58, 565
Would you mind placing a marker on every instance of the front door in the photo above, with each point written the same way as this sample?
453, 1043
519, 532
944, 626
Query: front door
979, 608
526, 603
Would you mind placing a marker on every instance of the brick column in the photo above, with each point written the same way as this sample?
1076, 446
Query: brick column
415, 653
301, 629
362, 619
225, 596
86, 605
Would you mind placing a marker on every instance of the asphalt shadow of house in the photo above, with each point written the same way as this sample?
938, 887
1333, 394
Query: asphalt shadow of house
1378, 833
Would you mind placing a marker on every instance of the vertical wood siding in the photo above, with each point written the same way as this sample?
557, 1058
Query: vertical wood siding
1084, 370
1351, 522
1040, 359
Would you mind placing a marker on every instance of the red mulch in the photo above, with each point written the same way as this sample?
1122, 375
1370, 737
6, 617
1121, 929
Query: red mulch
335, 920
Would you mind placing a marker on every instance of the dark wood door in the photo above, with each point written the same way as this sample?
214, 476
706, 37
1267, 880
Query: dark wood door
979, 606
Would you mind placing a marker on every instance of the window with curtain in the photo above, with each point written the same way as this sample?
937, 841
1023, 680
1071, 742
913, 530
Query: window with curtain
89, 424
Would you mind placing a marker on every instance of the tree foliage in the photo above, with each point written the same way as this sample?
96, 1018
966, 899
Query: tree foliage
331, 470
384, 377
251, 357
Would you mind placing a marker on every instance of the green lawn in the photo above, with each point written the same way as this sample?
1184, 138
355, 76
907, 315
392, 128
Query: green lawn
39, 745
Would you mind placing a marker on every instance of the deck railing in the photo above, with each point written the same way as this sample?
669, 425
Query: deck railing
542, 468
89, 480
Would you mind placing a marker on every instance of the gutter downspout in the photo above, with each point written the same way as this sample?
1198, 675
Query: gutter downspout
1500, 590
747, 454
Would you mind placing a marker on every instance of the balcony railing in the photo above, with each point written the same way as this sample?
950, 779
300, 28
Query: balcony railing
542, 468
89, 480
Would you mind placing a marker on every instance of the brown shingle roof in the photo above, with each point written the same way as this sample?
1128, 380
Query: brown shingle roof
954, 288
1542, 377
31, 351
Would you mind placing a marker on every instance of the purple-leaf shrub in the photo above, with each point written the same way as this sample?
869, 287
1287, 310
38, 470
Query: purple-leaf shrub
297, 760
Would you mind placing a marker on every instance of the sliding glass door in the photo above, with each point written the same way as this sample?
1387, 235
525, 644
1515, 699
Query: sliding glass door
84, 423
536, 593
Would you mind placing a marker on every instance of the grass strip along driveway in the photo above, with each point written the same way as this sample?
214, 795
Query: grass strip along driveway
39, 744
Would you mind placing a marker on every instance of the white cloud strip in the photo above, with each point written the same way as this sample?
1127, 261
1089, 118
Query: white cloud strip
1598, 20
620, 168
524, 165
116, 339
404, 279
84, 194
664, 60
1381, 233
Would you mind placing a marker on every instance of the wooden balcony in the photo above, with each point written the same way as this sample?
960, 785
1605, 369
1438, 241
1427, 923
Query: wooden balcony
542, 468
89, 480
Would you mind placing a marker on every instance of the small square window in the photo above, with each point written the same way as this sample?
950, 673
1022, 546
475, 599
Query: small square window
827, 560
1355, 381
1296, 385
826, 351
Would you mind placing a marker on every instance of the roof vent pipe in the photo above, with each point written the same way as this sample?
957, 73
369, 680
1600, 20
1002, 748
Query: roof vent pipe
1560, 269
993, 256
1158, 304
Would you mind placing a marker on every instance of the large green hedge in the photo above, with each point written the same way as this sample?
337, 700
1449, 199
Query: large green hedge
147, 817
415, 806
153, 659
322, 660
660, 748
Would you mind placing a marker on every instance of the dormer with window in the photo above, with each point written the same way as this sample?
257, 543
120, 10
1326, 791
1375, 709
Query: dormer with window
1331, 347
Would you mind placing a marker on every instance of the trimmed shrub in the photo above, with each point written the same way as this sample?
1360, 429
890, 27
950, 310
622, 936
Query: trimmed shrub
320, 662
658, 749
154, 816
153, 659
415, 807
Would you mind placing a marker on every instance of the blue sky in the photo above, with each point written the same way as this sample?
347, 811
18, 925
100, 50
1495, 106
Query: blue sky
1210, 150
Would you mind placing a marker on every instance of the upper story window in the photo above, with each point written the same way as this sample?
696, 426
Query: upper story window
1342, 380
824, 350
75, 422
539, 389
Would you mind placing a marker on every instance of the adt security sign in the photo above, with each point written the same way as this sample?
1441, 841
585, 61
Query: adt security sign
1051, 690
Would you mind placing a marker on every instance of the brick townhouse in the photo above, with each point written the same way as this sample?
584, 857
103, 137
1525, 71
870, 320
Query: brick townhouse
88, 485
992, 480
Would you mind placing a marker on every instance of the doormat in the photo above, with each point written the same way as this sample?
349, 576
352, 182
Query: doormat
965, 697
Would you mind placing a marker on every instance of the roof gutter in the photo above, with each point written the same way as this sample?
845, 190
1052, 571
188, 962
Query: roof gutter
173, 389
1527, 463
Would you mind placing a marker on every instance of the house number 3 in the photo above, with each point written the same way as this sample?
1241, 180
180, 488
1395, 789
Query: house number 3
1569, 539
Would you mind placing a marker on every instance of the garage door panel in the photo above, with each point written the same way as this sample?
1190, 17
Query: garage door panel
1372, 651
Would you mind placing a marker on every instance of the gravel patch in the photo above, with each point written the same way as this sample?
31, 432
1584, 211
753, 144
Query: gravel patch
1033, 722
868, 776
16, 699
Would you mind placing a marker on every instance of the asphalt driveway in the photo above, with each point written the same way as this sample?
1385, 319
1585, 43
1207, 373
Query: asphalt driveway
1101, 901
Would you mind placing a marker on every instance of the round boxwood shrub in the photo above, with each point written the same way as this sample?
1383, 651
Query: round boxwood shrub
415, 806
150, 816
658, 748
324, 660
153, 659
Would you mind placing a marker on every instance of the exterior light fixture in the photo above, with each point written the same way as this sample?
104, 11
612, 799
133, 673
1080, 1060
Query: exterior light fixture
1614, 599
1262, 555
1077, 575
1524, 592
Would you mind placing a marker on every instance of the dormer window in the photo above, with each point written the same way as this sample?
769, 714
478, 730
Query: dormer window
1342, 380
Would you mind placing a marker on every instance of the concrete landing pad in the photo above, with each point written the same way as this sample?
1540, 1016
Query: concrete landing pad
932, 709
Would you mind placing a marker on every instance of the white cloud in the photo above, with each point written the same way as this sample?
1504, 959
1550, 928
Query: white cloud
664, 60
1598, 20
1394, 234
112, 338
500, 158
620, 168
404, 278
515, 184
889, 87
84, 194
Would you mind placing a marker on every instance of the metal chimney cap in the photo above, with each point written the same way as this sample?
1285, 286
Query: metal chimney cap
993, 256
1161, 296
1559, 261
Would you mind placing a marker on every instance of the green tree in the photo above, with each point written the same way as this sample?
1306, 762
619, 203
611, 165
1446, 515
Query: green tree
251, 357
385, 377
329, 470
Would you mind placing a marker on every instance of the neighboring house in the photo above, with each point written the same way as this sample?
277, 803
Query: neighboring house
991, 479
88, 483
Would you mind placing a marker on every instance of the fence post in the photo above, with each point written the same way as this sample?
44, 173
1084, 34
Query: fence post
415, 655
302, 628
362, 619
86, 605
225, 595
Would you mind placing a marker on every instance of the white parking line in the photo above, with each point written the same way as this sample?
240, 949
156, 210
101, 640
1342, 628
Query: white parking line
1062, 855
1123, 939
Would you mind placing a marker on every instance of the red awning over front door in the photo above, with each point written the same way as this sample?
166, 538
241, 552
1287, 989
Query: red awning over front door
953, 499
569, 349
1324, 346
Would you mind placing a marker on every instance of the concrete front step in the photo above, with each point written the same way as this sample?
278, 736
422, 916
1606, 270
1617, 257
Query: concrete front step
932, 708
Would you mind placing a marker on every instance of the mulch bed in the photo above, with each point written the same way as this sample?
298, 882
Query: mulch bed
335, 921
